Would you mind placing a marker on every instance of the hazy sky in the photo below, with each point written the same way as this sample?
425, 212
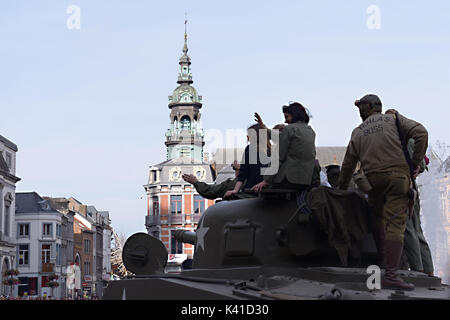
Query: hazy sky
88, 107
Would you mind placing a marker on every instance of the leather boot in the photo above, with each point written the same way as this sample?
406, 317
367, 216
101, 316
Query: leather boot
391, 280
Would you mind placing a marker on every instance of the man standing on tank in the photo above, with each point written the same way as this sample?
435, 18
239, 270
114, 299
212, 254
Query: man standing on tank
376, 145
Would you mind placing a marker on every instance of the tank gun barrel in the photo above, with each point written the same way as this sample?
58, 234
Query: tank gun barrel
185, 236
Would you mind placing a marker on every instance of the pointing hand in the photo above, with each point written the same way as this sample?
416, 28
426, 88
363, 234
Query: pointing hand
189, 178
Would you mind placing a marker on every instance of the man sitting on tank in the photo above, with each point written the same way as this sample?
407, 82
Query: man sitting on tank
296, 152
213, 191
319, 178
256, 157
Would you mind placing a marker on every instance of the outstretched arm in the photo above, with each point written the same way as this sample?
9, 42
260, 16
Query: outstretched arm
259, 120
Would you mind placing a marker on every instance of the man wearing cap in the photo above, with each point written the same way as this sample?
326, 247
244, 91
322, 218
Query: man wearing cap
376, 145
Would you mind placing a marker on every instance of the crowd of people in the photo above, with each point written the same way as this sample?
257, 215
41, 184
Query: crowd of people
387, 169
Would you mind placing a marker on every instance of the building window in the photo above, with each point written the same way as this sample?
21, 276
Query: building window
58, 230
23, 254
46, 249
87, 268
23, 229
7, 214
58, 254
175, 204
87, 246
155, 206
8, 159
176, 247
185, 152
199, 204
47, 229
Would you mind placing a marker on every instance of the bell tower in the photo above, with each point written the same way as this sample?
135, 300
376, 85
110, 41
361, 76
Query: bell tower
185, 137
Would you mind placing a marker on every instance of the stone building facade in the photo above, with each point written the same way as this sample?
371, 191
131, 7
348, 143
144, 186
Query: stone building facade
91, 249
67, 243
8, 182
40, 252
84, 251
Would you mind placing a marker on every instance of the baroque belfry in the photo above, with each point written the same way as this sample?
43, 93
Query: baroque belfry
185, 135
173, 203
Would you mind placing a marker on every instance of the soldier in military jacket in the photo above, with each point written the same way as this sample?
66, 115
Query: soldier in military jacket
376, 145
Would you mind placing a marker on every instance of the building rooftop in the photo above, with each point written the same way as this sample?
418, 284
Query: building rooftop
29, 202
8, 143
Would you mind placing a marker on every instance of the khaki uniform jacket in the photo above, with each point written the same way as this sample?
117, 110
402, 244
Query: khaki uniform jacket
214, 191
297, 154
376, 144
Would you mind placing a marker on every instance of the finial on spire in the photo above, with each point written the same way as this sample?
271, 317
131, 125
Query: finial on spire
185, 25
185, 48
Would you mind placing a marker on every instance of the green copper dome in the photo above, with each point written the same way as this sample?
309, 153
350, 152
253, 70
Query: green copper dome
185, 93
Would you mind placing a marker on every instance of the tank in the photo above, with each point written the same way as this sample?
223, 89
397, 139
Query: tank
260, 248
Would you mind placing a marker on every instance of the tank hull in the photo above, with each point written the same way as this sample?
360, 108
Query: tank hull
270, 283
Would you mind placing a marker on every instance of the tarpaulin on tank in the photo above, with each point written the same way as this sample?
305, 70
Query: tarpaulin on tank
343, 215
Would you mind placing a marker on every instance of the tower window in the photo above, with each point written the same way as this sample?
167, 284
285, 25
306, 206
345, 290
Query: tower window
185, 122
185, 152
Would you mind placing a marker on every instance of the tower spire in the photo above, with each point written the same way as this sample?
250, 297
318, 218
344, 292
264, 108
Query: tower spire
185, 75
185, 48
185, 135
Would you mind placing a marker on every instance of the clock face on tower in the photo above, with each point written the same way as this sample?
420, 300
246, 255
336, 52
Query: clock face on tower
186, 98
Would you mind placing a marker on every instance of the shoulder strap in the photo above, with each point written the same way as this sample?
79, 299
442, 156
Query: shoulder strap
405, 148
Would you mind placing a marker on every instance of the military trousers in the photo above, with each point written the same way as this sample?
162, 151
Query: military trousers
417, 253
389, 201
